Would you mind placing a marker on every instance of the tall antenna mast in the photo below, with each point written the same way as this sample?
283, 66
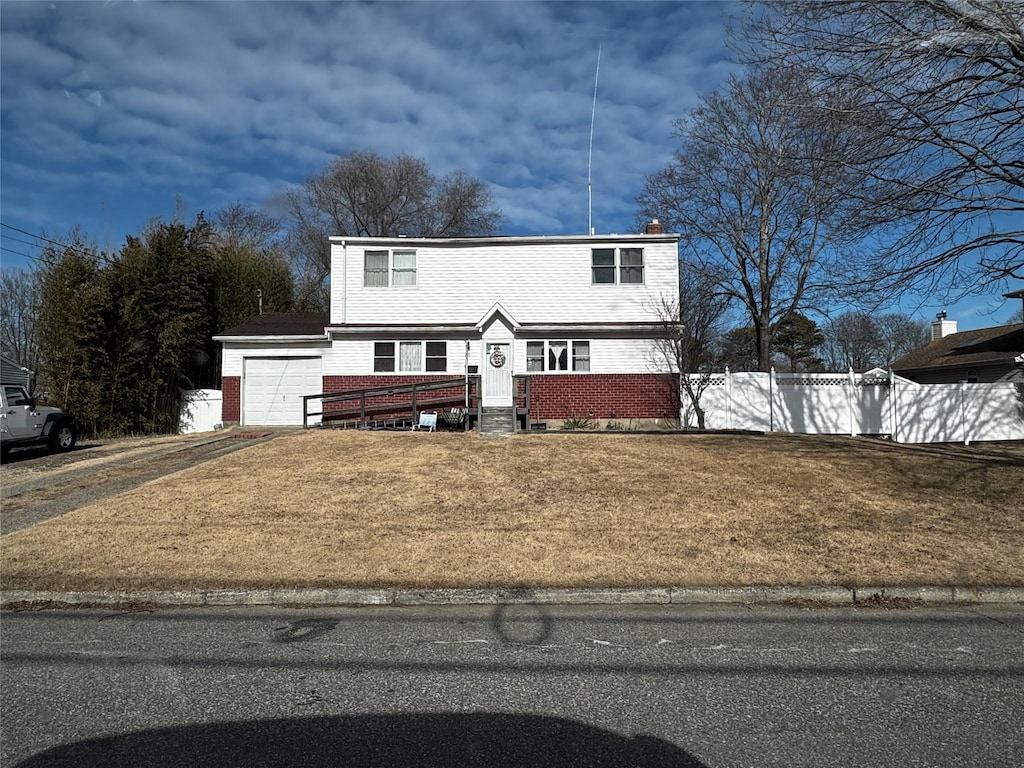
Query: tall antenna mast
590, 156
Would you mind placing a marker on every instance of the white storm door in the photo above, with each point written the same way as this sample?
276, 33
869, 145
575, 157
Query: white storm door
274, 386
497, 375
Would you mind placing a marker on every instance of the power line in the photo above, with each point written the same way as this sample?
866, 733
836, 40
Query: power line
19, 253
19, 240
65, 246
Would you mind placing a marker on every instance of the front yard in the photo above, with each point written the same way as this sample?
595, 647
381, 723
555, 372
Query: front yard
323, 508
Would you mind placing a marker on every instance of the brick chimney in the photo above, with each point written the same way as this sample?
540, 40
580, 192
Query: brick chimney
941, 327
654, 228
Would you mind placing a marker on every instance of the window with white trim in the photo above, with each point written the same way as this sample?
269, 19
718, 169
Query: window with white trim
624, 266
383, 356
557, 355
412, 357
581, 356
389, 268
534, 356
437, 356
375, 269
403, 269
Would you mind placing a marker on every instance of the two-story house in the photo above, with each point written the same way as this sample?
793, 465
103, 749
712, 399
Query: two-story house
578, 315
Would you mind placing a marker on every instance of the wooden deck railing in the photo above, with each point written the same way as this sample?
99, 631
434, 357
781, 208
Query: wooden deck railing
363, 404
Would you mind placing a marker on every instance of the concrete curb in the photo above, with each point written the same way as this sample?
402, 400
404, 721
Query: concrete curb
820, 595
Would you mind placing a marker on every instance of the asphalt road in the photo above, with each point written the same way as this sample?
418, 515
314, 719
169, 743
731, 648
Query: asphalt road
677, 686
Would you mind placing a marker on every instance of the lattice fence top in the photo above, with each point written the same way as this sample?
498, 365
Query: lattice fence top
800, 379
790, 380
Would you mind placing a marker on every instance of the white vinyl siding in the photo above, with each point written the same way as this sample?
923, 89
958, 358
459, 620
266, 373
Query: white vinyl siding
235, 353
535, 282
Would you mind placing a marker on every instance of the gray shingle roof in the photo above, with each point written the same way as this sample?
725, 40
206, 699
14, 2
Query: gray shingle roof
984, 345
281, 324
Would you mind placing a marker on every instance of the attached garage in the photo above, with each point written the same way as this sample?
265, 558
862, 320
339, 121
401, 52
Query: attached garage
273, 388
269, 363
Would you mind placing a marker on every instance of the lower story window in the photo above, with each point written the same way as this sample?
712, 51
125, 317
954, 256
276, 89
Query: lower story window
555, 355
581, 355
535, 356
437, 356
413, 356
383, 356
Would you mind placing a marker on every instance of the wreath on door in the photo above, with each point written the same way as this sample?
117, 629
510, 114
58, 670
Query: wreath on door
497, 357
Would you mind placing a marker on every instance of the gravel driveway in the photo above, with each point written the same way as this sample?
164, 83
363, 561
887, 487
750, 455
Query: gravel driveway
35, 486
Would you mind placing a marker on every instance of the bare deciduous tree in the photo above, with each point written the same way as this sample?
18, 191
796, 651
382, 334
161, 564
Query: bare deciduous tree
761, 186
364, 194
941, 85
862, 340
691, 326
19, 314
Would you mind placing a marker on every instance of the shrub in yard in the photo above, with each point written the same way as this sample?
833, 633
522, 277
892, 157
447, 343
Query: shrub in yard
579, 422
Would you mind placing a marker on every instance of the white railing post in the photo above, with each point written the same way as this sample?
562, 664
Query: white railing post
892, 407
771, 399
852, 383
728, 398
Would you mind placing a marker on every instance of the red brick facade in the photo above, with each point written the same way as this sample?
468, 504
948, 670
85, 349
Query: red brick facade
552, 396
231, 405
346, 383
600, 395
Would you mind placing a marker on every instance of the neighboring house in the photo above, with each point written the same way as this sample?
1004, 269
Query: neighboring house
983, 355
577, 315
12, 373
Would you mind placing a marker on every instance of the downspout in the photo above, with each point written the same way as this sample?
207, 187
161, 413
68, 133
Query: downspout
344, 281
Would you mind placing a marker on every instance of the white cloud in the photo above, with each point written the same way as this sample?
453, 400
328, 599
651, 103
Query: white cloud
226, 101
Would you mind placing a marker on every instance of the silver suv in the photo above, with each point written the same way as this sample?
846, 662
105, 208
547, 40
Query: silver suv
22, 422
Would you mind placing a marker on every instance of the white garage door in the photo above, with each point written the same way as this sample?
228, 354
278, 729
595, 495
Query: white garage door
272, 389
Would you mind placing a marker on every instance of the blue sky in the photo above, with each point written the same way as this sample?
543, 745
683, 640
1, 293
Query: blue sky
110, 112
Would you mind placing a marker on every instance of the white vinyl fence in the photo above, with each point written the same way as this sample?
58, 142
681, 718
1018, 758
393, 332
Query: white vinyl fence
862, 404
200, 411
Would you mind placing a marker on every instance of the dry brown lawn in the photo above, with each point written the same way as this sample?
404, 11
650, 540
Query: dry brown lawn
321, 508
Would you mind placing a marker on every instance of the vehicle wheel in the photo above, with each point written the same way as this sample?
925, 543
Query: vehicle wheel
63, 438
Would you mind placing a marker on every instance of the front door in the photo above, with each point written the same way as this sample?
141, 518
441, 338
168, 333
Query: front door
497, 375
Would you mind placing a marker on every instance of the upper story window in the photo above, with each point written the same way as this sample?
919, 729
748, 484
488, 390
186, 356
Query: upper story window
556, 355
398, 265
631, 265
603, 265
403, 268
617, 265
